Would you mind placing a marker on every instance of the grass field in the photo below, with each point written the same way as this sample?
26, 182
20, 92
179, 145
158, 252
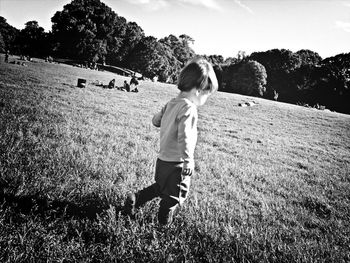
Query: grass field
272, 181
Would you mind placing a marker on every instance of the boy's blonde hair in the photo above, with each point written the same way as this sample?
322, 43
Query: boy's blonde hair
199, 74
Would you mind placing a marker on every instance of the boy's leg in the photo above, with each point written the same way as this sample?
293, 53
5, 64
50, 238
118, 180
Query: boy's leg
134, 201
166, 211
146, 194
169, 204
174, 188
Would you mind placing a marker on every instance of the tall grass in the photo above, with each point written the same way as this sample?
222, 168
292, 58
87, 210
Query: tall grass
271, 183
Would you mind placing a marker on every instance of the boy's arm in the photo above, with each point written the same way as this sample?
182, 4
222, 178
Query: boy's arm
187, 138
157, 118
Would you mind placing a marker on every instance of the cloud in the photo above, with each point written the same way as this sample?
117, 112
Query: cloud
211, 4
347, 4
239, 2
343, 25
150, 4
159, 4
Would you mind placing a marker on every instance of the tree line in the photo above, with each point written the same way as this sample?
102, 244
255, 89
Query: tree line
300, 78
89, 31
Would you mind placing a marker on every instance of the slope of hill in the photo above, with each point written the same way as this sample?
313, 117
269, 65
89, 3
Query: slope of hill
271, 185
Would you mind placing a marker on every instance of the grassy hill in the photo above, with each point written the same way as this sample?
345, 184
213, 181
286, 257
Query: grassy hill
272, 181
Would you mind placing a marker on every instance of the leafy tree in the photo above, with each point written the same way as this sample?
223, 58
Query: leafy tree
230, 60
186, 39
184, 52
250, 79
89, 30
304, 81
177, 52
339, 65
32, 40
133, 35
2, 44
303, 78
84, 29
241, 55
278, 64
214, 59
333, 87
326, 84
326, 89
153, 58
219, 75
9, 35
115, 41
309, 57
171, 69
180, 47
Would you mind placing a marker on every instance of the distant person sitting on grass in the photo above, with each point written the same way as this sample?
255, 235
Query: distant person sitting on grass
126, 86
111, 84
6, 57
133, 83
178, 136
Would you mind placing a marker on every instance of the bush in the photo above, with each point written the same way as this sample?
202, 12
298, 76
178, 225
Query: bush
250, 79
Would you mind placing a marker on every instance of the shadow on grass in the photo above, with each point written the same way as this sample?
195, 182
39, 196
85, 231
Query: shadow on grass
89, 208
69, 85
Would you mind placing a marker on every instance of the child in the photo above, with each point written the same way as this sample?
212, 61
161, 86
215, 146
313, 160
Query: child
126, 86
178, 136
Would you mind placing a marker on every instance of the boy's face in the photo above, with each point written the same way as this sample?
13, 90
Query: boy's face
202, 97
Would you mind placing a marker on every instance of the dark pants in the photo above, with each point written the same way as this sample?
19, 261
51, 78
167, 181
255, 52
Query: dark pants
170, 185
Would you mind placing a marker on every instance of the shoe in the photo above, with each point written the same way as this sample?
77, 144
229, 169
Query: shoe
129, 206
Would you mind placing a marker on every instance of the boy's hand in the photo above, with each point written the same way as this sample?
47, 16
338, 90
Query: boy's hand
187, 169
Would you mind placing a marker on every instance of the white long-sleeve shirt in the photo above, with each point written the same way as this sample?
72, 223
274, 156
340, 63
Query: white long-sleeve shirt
178, 131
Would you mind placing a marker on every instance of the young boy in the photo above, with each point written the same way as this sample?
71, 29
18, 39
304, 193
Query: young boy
178, 136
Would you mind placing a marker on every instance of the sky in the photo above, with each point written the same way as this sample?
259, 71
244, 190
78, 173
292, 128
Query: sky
220, 27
